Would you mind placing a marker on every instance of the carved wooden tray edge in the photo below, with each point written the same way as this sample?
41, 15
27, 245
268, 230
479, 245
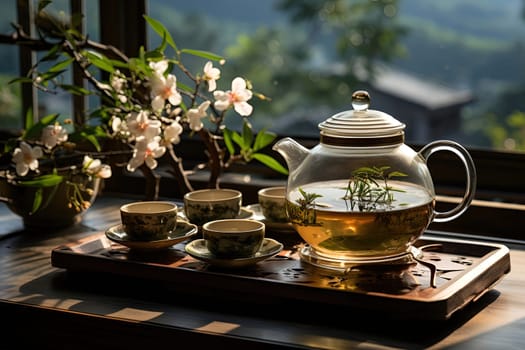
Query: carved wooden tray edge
493, 263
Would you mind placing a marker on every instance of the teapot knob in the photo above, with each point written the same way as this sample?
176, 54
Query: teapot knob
360, 100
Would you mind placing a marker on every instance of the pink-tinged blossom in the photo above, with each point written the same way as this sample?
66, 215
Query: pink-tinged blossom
195, 115
139, 124
53, 135
26, 157
94, 167
145, 152
235, 97
163, 88
211, 75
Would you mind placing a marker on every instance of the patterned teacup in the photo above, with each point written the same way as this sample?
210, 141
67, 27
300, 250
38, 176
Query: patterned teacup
205, 205
272, 202
149, 220
233, 238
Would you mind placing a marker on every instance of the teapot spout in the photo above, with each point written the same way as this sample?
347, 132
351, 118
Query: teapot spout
293, 152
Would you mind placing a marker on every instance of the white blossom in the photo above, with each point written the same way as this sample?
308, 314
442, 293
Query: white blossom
119, 126
163, 87
211, 75
139, 124
159, 67
53, 135
26, 157
172, 132
119, 83
95, 167
196, 114
145, 152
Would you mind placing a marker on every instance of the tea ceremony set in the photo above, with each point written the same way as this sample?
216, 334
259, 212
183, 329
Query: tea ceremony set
349, 229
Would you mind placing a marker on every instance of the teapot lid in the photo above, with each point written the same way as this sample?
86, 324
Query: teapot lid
361, 126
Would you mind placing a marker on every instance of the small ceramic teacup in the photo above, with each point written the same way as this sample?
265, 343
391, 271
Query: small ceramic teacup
233, 238
205, 205
149, 220
272, 202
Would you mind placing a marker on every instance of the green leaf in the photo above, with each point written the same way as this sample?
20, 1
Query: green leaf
75, 90
396, 173
52, 54
61, 66
142, 54
29, 119
237, 138
247, 135
163, 43
100, 61
50, 197
228, 141
50, 75
37, 201
93, 140
47, 180
365, 170
48, 119
154, 55
137, 65
20, 80
159, 28
203, 54
263, 139
118, 64
270, 162
34, 132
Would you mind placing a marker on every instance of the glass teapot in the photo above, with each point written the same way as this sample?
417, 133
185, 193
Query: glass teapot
361, 195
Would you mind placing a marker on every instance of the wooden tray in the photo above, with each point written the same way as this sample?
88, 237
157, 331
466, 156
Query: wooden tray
465, 270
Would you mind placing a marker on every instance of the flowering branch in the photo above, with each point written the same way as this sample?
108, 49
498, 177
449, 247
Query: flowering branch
147, 106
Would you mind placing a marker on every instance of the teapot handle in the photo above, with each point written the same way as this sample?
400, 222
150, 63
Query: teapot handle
464, 156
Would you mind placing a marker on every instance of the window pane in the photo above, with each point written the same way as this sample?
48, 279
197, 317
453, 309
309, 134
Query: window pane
50, 102
10, 103
448, 69
59, 101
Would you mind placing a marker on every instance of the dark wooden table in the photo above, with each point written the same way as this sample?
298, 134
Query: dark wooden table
49, 307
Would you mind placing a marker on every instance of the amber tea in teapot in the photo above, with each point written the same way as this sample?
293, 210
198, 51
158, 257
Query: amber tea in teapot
340, 227
362, 195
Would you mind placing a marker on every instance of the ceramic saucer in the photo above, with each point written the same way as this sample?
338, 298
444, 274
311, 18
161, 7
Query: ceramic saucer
244, 214
197, 249
184, 231
271, 225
